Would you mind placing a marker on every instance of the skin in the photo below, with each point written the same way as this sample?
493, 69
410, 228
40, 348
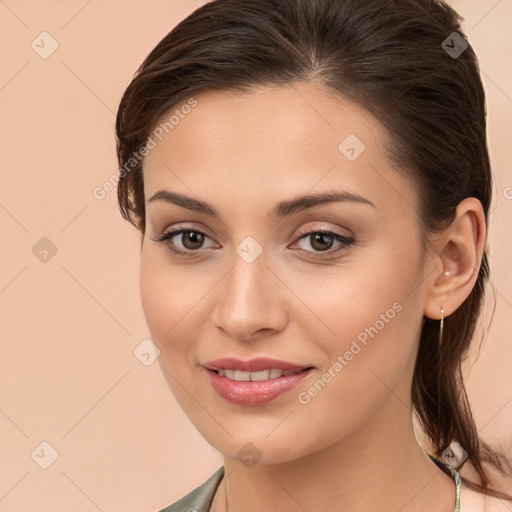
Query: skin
356, 435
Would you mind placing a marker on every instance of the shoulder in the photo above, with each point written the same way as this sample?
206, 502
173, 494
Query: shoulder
496, 505
199, 499
473, 501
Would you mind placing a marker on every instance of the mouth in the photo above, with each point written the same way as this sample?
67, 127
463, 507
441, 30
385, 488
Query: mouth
254, 382
256, 365
269, 374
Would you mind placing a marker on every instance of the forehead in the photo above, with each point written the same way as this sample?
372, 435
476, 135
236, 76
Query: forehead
274, 141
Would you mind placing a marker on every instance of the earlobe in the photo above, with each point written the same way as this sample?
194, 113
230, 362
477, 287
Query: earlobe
458, 256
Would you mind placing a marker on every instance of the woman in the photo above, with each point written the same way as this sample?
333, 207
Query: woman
311, 182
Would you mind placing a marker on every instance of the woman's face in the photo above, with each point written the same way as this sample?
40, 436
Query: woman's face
348, 303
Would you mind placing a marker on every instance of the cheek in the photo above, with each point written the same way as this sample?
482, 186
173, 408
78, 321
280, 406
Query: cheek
371, 352
370, 314
154, 297
163, 297
168, 300
349, 298
174, 303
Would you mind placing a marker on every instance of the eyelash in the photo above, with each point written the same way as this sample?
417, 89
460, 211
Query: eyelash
346, 241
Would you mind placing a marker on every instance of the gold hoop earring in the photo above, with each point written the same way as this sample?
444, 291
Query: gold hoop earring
441, 326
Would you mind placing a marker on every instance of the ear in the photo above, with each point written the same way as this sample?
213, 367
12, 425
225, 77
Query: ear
456, 257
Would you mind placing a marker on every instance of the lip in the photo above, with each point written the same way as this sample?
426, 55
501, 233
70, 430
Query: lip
253, 365
257, 392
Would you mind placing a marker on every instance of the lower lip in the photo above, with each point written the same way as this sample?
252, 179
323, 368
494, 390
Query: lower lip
255, 393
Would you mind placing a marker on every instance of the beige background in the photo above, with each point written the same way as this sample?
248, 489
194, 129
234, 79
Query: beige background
70, 324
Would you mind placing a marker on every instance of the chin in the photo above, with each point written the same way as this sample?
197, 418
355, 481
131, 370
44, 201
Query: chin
257, 447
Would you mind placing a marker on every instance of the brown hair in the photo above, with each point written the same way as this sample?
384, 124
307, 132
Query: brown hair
389, 56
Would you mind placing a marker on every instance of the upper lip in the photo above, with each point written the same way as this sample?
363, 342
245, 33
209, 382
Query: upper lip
253, 365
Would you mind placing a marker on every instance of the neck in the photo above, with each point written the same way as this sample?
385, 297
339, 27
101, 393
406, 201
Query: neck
380, 466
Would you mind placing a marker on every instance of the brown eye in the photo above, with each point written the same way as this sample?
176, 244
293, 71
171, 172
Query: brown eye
183, 241
192, 239
321, 241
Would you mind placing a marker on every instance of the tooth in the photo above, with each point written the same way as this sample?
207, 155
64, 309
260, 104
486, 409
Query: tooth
263, 375
230, 374
242, 376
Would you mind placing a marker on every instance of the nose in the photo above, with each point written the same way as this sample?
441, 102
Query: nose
251, 301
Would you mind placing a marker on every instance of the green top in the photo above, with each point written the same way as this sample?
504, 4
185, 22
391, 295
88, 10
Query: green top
200, 499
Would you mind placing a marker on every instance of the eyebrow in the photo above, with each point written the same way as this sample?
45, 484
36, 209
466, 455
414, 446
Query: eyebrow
280, 210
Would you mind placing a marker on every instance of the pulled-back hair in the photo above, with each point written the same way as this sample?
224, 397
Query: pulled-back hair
406, 62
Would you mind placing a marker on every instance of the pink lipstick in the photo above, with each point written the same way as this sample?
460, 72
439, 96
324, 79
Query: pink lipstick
254, 382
